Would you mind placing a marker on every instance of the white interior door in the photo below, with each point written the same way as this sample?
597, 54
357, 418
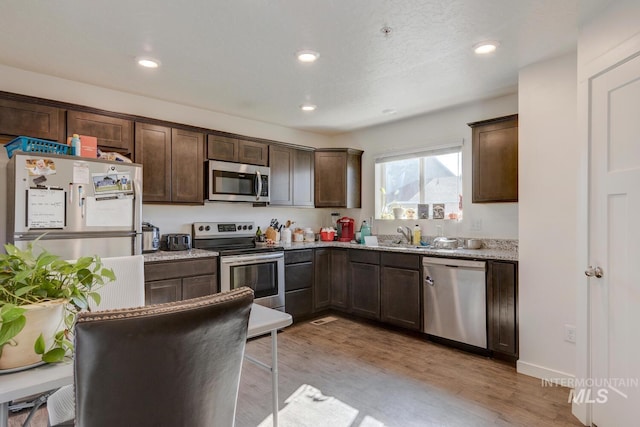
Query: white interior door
614, 244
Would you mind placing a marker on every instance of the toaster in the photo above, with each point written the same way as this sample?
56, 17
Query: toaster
175, 242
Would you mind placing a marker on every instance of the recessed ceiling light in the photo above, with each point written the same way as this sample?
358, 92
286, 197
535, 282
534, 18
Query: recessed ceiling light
307, 56
485, 47
389, 111
308, 107
148, 62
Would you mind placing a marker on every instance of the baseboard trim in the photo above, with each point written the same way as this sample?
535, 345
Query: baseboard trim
541, 372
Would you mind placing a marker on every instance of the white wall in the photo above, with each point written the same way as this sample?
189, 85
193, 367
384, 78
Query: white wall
498, 220
548, 182
169, 218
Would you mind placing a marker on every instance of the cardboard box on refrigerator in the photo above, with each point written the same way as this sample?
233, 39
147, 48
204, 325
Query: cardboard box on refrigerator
88, 146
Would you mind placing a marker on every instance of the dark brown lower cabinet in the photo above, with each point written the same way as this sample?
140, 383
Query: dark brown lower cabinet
330, 286
502, 309
298, 283
365, 283
400, 290
178, 280
339, 279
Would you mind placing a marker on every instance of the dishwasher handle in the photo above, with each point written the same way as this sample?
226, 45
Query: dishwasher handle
453, 263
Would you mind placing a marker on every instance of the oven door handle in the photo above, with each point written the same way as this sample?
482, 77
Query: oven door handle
245, 259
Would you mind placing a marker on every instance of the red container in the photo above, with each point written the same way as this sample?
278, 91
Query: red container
327, 236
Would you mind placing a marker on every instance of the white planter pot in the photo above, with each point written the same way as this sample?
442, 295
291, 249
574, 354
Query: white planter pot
44, 318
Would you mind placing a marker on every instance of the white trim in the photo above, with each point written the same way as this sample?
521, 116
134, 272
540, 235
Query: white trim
541, 372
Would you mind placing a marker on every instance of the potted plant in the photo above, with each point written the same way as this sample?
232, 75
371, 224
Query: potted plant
40, 296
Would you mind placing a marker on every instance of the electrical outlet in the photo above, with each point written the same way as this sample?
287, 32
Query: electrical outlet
570, 333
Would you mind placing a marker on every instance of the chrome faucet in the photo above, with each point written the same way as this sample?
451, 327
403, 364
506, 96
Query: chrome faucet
407, 234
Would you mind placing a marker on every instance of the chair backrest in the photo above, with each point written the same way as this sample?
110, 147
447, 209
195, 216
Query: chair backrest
175, 364
128, 288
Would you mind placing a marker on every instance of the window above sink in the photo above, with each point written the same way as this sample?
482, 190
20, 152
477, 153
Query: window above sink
420, 185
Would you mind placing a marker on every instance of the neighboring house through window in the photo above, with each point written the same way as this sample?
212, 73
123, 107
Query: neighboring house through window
406, 183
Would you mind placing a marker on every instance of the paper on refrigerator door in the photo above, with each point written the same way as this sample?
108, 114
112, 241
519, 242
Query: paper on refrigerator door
109, 213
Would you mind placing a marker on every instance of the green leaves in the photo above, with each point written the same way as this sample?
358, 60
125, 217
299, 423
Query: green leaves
28, 276
13, 322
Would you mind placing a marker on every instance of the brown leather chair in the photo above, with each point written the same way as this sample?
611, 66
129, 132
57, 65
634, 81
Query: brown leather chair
175, 364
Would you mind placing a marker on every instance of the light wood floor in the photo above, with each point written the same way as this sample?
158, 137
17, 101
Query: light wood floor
397, 379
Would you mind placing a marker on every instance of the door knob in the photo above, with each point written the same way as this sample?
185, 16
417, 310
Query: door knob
593, 271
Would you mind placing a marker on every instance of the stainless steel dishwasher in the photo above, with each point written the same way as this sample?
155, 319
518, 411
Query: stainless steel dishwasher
455, 300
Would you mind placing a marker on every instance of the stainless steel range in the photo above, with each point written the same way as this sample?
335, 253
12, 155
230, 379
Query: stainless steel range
242, 262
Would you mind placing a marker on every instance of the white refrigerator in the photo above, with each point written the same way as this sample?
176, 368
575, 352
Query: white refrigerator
76, 206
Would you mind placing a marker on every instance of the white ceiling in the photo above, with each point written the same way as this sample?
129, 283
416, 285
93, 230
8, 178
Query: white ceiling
237, 56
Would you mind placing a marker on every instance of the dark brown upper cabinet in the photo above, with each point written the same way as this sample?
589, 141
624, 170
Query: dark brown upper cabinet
26, 119
187, 166
338, 177
232, 149
113, 133
292, 179
495, 160
172, 162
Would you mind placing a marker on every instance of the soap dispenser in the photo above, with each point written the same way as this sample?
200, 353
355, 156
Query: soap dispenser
365, 230
417, 235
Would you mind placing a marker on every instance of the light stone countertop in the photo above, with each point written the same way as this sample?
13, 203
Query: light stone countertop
159, 256
497, 253
484, 253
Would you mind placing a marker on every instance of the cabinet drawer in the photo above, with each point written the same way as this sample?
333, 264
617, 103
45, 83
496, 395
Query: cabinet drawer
401, 260
183, 268
364, 256
292, 257
298, 276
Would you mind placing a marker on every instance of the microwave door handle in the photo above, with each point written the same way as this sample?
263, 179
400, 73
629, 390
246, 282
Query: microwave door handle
259, 182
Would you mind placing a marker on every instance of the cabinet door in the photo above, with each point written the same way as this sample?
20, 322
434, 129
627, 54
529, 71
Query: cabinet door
281, 166
330, 179
161, 291
321, 280
400, 293
38, 121
114, 134
303, 178
153, 151
199, 286
298, 276
495, 161
299, 303
222, 148
365, 290
187, 166
339, 278
253, 153
502, 309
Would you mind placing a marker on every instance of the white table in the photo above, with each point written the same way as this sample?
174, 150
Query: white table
48, 377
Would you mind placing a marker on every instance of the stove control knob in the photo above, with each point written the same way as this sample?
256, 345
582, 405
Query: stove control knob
251, 227
244, 227
200, 228
207, 228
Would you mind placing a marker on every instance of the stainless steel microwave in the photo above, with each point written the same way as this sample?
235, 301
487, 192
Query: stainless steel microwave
237, 182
